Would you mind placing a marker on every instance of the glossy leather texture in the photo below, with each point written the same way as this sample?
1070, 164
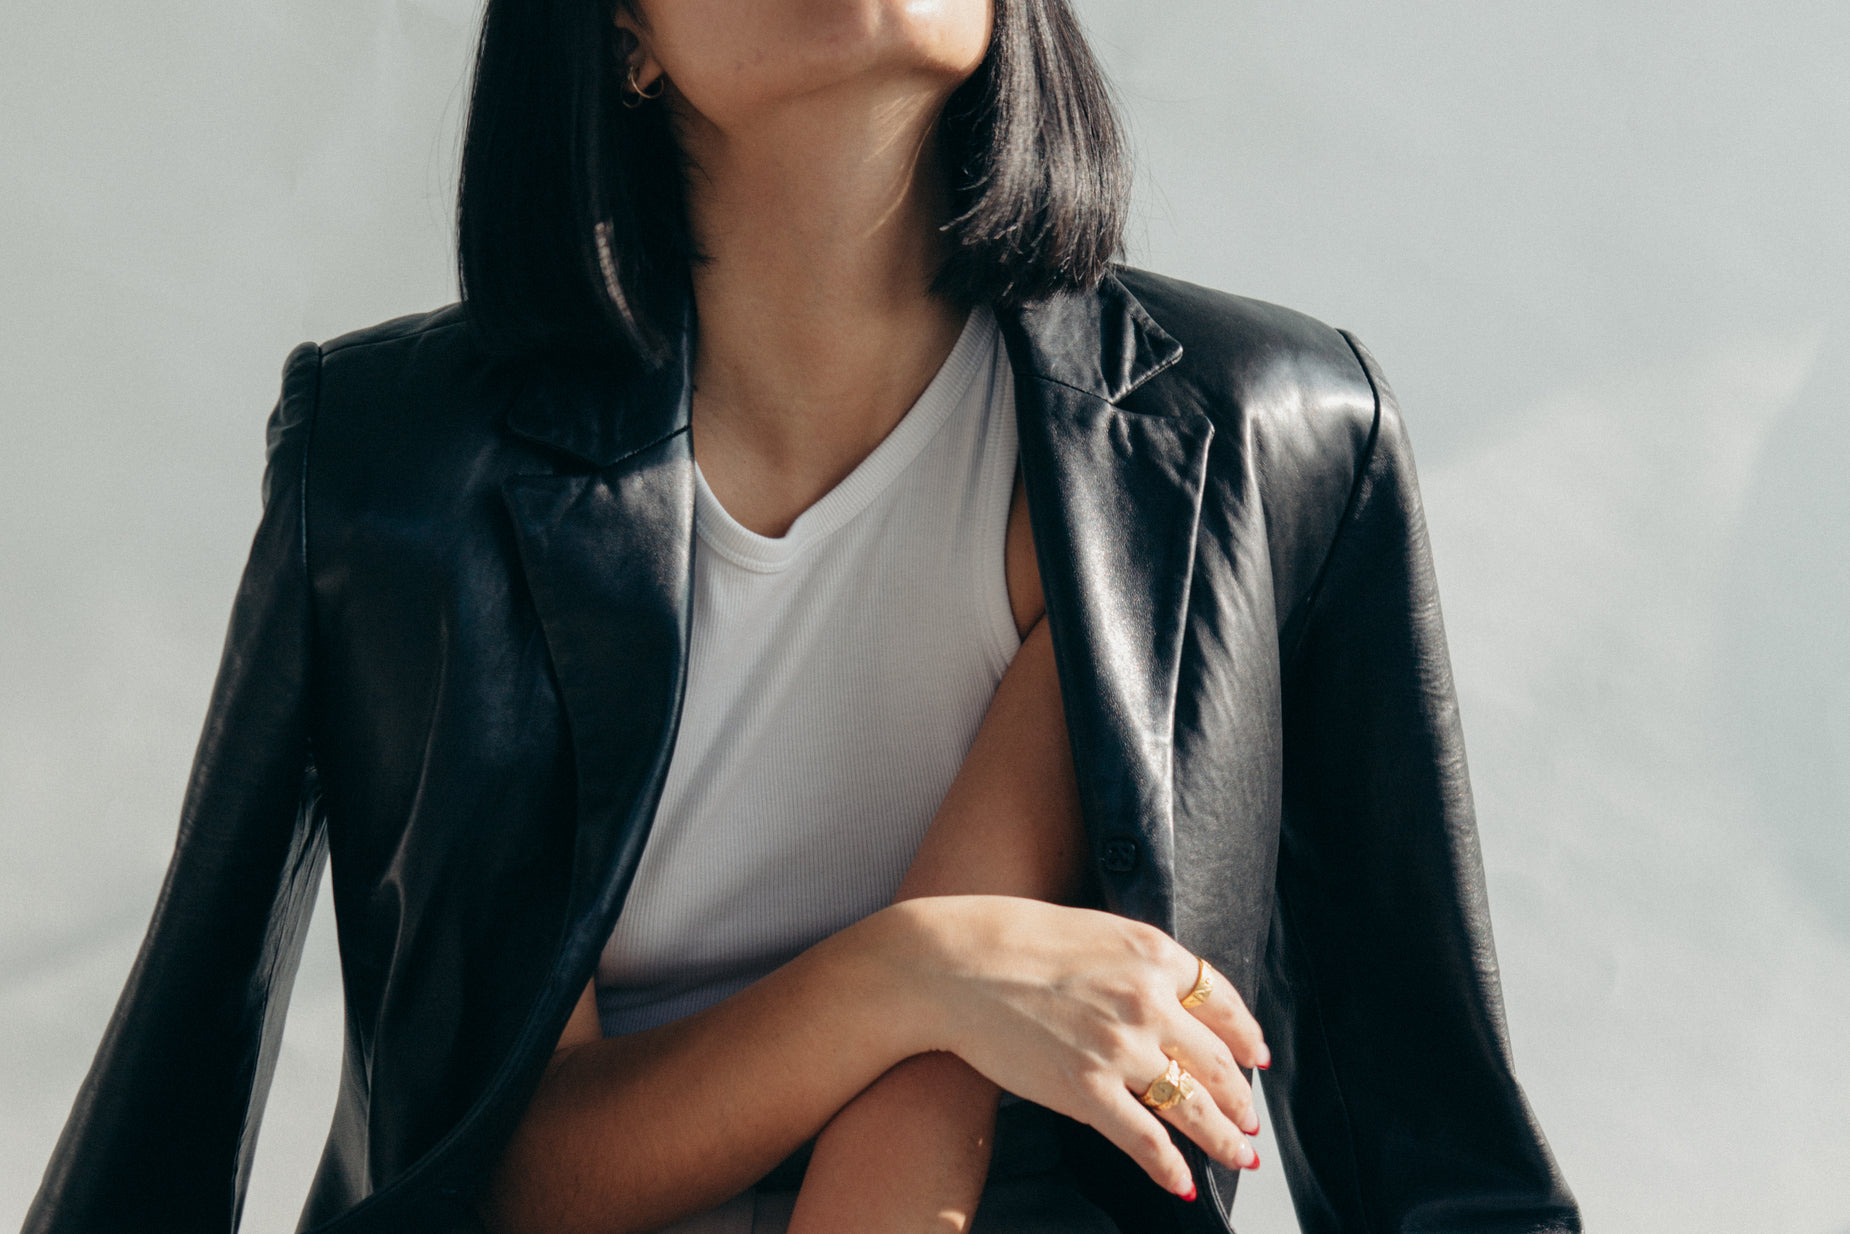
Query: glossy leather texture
455, 664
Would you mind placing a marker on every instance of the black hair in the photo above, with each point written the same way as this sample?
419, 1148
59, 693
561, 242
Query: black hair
572, 227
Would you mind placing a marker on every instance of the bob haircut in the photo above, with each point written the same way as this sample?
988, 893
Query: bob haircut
572, 225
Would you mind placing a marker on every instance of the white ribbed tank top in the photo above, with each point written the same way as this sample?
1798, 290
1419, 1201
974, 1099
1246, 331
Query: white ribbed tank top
836, 678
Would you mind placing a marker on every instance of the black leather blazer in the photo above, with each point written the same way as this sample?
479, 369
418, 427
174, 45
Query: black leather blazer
455, 664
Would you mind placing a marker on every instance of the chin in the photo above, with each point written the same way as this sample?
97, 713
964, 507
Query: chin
732, 60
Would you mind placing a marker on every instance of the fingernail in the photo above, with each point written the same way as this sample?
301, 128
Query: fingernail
1265, 1056
1188, 1195
1249, 1156
1252, 1130
1255, 1164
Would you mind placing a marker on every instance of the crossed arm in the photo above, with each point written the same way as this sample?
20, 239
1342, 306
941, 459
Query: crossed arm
911, 1152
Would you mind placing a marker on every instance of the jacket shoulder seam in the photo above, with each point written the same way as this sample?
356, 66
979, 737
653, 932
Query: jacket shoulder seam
1308, 604
335, 346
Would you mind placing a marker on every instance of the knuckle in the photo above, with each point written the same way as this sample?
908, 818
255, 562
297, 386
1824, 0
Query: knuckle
1122, 1049
1130, 1002
1148, 942
1147, 1003
1101, 1085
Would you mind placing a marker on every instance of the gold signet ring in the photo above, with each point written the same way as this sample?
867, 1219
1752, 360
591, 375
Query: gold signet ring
1204, 985
1171, 1088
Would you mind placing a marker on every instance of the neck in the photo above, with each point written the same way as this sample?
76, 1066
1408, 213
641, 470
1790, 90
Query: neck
817, 331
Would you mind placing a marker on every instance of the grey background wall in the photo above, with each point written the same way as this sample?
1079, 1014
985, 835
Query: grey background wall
1599, 248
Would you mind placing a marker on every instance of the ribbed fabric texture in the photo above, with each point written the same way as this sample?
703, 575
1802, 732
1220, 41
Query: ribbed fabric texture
837, 677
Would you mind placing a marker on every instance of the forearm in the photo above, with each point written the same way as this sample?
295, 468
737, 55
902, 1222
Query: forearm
912, 1152
635, 1132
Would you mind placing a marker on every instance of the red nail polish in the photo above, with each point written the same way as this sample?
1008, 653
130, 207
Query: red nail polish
1266, 1066
1255, 1164
1189, 1195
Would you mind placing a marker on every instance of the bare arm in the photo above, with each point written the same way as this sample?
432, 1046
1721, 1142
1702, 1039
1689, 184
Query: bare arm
917, 1139
912, 1152
1062, 1005
1071, 1008
631, 1133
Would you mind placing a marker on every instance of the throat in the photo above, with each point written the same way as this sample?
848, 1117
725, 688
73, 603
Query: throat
779, 423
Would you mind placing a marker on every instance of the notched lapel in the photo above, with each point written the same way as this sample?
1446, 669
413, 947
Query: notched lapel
609, 561
1114, 499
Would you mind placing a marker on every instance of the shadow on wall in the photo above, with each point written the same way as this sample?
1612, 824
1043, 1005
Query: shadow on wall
1783, 668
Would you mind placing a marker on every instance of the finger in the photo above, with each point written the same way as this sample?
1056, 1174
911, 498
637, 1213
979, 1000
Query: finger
1226, 1013
1208, 1059
1141, 1136
1203, 1121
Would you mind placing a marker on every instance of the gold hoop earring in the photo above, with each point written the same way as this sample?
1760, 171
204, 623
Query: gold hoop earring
634, 95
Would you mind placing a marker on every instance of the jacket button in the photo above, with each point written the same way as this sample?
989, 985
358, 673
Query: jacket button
1118, 854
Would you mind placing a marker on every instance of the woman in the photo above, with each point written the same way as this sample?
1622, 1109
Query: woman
631, 632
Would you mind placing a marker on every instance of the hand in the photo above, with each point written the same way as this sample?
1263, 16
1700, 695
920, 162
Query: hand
1079, 1010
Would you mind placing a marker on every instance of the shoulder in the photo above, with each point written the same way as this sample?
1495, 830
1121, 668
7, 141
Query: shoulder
398, 359
1300, 411
416, 346
407, 421
401, 331
409, 382
1252, 358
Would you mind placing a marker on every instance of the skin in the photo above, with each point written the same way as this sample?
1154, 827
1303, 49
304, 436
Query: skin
817, 197
911, 1151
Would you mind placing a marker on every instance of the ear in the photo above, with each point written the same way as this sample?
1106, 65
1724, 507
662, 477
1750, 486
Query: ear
637, 46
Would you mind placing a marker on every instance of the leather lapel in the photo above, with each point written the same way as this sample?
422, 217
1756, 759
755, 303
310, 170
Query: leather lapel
608, 555
1114, 499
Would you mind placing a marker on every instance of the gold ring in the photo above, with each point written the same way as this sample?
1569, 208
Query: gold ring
1171, 1088
1204, 985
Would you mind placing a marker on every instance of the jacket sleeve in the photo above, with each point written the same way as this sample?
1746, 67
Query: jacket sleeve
162, 1133
1392, 1091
